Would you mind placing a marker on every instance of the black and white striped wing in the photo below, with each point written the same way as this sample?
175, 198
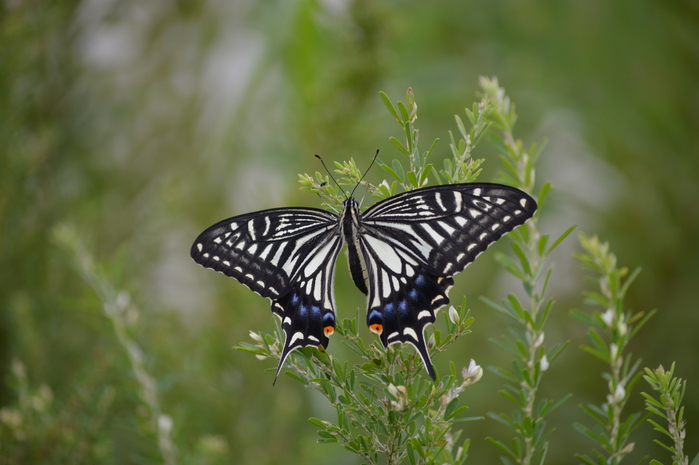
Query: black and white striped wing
287, 255
414, 243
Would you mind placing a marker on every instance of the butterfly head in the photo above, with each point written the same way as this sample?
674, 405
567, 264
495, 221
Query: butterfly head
350, 202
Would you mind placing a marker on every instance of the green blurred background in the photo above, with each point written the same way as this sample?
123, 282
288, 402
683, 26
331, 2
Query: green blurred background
142, 123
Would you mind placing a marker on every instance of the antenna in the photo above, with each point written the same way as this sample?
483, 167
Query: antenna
367, 170
330, 174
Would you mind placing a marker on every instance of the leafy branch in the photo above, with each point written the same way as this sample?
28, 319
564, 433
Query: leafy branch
610, 332
530, 248
668, 407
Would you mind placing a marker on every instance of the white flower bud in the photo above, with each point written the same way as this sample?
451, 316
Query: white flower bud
608, 317
454, 315
619, 393
622, 328
165, 423
544, 363
628, 449
539, 340
613, 351
393, 391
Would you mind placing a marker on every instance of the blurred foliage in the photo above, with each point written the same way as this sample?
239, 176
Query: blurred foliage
142, 123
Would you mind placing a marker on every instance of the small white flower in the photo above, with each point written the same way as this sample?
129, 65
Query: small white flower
608, 317
255, 336
165, 423
544, 363
619, 393
10, 417
621, 327
123, 299
260, 357
473, 373
539, 340
393, 391
628, 449
613, 351
397, 406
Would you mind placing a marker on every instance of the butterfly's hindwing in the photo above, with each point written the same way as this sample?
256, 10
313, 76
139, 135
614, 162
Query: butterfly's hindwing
403, 295
307, 311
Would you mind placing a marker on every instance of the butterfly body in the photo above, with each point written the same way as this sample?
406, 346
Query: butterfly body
402, 252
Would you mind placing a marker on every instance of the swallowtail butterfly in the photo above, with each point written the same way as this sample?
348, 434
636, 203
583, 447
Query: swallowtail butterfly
403, 253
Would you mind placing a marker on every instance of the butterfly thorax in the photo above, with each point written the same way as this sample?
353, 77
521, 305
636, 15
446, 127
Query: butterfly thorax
350, 221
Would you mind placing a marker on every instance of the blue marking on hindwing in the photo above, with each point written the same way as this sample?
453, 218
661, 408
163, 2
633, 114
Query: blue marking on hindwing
403, 306
413, 294
375, 314
389, 308
295, 299
315, 311
303, 310
328, 319
420, 280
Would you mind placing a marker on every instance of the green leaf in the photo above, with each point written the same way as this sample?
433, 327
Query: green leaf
317, 422
398, 145
561, 238
425, 173
460, 125
429, 151
541, 246
516, 305
545, 449
543, 193
586, 460
586, 318
523, 260
398, 168
412, 179
405, 116
389, 106
510, 265
390, 171
450, 408
500, 445
411, 453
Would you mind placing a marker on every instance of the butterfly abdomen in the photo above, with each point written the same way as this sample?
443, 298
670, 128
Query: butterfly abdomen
350, 222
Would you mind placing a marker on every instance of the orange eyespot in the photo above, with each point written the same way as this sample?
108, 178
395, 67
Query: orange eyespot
377, 328
328, 330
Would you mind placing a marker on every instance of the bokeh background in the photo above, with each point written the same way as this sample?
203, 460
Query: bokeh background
141, 123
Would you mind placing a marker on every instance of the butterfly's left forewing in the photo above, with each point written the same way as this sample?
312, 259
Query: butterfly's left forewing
414, 243
287, 255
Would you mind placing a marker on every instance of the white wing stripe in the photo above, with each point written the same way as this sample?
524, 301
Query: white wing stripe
388, 254
433, 234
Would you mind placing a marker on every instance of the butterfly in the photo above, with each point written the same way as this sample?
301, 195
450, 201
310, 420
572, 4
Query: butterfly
403, 253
